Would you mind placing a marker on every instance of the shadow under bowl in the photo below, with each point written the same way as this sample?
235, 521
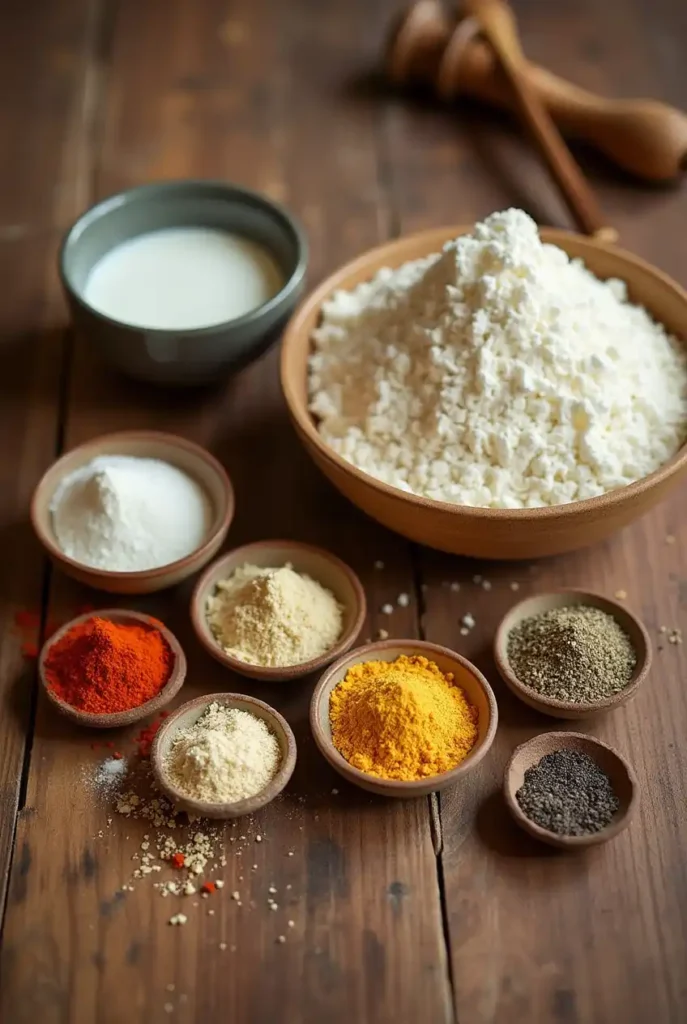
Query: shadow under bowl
531, 606
466, 675
118, 719
183, 356
186, 716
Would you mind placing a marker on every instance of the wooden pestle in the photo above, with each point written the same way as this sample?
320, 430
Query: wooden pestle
500, 28
646, 138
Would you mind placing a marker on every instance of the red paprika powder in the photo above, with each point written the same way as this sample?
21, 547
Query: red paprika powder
103, 667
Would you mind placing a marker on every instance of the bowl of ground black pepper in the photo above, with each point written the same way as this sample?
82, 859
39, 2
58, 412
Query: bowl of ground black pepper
572, 653
570, 790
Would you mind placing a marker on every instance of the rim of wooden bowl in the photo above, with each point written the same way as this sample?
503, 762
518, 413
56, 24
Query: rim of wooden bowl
119, 718
278, 725
537, 603
398, 787
218, 528
545, 743
412, 246
274, 673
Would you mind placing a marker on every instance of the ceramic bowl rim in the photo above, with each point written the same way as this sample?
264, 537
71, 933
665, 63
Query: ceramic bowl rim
610, 831
644, 657
117, 719
155, 189
278, 673
239, 807
437, 237
221, 523
425, 648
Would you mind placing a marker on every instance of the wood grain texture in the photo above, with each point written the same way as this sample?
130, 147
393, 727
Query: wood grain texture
40, 85
367, 941
498, 930
535, 936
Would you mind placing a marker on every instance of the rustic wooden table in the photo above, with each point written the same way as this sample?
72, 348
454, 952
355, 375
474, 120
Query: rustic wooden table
437, 910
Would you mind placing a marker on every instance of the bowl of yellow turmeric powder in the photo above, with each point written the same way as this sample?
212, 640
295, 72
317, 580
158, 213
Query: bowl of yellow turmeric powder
403, 718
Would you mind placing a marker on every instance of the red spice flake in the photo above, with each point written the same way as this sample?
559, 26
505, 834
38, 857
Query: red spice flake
144, 740
29, 650
24, 619
208, 887
117, 756
104, 667
178, 860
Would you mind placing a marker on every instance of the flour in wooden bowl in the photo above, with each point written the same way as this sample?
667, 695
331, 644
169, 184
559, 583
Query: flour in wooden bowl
497, 373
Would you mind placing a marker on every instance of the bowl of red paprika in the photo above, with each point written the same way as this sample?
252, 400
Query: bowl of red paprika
110, 668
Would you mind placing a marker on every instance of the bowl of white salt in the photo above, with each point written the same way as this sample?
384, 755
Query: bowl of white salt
181, 282
496, 391
133, 512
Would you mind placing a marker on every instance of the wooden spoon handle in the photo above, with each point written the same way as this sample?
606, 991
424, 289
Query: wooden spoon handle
427, 47
646, 138
498, 25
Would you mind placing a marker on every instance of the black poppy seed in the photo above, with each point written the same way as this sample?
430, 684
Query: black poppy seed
567, 793
576, 653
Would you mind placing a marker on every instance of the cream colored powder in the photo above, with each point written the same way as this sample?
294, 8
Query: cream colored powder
269, 616
227, 755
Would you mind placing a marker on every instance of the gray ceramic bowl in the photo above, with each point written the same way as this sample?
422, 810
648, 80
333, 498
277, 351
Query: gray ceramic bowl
200, 355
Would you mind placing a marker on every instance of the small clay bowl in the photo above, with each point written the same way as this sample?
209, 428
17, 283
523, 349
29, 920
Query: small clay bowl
185, 455
467, 676
186, 716
619, 771
119, 718
320, 565
560, 599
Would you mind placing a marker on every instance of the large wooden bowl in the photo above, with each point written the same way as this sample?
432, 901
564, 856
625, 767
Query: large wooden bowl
462, 529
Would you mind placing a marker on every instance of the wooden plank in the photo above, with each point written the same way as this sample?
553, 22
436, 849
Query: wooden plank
367, 940
28, 425
39, 81
534, 935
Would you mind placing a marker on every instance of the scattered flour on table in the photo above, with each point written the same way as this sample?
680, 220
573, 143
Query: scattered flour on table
268, 616
125, 514
497, 373
108, 776
227, 755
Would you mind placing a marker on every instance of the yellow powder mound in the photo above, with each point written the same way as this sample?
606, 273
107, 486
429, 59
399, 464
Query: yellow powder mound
401, 720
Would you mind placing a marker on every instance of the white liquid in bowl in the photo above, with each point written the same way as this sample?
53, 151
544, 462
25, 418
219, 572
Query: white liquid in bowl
182, 279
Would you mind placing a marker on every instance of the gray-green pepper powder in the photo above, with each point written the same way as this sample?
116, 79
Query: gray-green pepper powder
577, 653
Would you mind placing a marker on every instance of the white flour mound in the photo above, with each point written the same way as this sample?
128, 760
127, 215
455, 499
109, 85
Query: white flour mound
497, 373
126, 514
273, 616
227, 755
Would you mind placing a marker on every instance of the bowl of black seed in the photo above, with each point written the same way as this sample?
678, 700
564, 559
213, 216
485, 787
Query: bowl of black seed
570, 790
572, 654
